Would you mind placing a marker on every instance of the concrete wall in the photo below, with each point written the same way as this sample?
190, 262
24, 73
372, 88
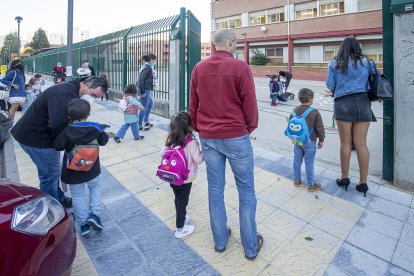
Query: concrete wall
404, 101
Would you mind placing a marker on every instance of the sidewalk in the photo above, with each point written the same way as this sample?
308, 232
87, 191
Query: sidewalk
331, 232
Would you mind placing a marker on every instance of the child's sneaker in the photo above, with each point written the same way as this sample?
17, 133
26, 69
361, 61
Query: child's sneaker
85, 229
187, 219
314, 188
297, 183
185, 231
117, 139
95, 222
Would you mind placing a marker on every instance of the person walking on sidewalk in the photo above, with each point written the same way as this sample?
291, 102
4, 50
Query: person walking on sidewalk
130, 114
145, 84
181, 135
44, 120
348, 83
314, 130
15, 79
224, 111
81, 140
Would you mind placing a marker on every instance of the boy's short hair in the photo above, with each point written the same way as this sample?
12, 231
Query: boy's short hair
78, 109
274, 76
305, 95
27, 86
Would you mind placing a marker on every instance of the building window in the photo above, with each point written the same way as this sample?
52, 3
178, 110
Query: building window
228, 23
275, 15
329, 55
274, 52
306, 10
375, 57
257, 19
369, 5
332, 9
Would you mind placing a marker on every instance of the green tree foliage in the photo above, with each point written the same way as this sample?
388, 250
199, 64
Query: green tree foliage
6, 46
258, 58
39, 40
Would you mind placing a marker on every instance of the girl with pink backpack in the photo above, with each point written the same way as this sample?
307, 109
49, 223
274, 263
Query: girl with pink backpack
180, 159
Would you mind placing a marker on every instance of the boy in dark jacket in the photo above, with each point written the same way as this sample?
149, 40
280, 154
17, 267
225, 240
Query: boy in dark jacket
77, 139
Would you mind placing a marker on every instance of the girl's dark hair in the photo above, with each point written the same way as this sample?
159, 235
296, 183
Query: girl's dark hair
17, 64
131, 89
180, 127
350, 50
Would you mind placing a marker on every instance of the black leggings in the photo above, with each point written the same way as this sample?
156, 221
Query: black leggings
182, 194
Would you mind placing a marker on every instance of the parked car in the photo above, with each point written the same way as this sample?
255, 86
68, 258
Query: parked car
37, 235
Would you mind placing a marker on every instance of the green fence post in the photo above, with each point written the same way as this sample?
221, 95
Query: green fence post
388, 122
182, 91
125, 58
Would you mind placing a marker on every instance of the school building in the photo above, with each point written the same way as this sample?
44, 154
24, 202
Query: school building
300, 32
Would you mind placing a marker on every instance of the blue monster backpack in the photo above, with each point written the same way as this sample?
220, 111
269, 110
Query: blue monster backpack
297, 129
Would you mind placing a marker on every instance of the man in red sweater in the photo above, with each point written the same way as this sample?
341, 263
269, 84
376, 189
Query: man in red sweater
223, 109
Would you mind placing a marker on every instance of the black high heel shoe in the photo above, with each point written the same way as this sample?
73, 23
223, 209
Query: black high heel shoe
362, 188
344, 182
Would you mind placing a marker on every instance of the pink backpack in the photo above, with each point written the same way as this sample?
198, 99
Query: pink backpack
174, 165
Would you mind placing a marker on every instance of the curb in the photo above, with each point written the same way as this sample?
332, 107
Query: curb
8, 157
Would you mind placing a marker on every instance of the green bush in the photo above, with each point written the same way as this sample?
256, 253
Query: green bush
258, 58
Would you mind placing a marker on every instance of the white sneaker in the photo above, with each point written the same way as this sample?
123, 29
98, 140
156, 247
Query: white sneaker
187, 219
185, 231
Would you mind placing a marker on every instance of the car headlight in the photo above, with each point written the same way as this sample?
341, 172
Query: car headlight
37, 216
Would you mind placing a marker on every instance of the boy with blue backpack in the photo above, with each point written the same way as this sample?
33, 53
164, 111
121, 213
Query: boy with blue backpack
81, 169
305, 127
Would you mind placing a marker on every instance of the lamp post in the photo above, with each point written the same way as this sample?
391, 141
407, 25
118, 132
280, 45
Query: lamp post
18, 19
5, 55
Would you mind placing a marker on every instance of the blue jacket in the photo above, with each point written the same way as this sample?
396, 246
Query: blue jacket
19, 80
355, 81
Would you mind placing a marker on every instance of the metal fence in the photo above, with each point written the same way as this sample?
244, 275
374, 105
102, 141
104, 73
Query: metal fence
117, 55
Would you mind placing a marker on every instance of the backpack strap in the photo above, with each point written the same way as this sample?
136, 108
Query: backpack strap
307, 112
89, 124
294, 114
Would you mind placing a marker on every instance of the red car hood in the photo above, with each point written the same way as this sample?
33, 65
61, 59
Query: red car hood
13, 193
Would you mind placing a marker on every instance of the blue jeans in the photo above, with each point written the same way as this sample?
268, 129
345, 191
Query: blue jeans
124, 128
147, 103
240, 155
47, 161
82, 206
308, 150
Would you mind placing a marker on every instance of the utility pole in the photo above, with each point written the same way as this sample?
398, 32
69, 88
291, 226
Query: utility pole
69, 41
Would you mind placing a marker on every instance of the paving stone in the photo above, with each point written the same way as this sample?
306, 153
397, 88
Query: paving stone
263, 211
333, 270
410, 217
294, 260
354, 196
273, 243
397, 271
333, 223
354, 261
394, 195
321, 244
119, 209
274, 197
403, 257
300, 209
389, 208
407, 235
284, 224
86, 268
381, 224
367, 239
271, 270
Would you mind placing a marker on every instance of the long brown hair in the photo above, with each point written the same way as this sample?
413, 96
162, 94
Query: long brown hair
349, 51
180, 127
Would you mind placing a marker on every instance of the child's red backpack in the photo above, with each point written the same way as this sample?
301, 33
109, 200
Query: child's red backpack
174, 165
83, 157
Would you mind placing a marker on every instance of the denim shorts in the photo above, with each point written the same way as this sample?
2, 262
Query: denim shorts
354, 107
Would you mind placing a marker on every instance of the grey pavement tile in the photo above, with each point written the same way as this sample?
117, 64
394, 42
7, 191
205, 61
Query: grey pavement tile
124, 206
271, 156
381, 224
333, 270
354, 261
407, 235
410, 217
368, 240
354, 196
394, 195
329, 185
412, 203
397, 271
389, 208
403, 257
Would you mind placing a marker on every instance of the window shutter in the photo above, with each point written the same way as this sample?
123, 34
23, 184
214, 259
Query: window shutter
369, 5
277, 10
306, 6
326, 2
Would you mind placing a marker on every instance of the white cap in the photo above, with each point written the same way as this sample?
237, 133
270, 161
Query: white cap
82, 72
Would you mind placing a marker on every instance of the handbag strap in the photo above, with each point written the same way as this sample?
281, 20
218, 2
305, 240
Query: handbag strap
15, 73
